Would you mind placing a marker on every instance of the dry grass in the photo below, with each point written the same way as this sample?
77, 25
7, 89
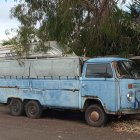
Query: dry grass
128, 125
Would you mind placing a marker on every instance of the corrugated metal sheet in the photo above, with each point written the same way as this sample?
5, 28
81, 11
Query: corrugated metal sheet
63, 66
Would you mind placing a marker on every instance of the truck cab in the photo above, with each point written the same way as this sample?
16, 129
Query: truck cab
109, 86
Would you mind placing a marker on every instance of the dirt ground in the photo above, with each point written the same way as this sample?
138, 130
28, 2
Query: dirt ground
56, 125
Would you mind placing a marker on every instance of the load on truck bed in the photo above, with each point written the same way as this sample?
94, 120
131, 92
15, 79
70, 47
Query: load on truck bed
38, 68
97, 86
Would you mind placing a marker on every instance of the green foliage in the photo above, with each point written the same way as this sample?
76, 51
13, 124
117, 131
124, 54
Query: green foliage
88, 27
7, 42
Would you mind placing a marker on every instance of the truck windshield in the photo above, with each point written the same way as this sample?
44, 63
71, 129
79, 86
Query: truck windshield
127, 69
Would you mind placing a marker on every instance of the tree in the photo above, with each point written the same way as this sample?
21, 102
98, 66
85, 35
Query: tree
135, 25
91, 27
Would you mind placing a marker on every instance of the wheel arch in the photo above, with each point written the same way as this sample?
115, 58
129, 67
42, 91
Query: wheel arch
25, 101
9, 99
92, 101
22, 100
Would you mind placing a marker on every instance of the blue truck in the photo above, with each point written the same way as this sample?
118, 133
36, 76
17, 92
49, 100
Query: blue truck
97, 86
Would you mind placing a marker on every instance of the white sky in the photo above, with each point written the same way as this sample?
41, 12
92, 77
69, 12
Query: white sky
6, 23
124, 6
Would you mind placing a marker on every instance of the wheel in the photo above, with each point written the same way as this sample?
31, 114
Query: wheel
33, 110
95, 116
16, 107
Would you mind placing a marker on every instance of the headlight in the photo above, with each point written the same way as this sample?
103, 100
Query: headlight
130, 96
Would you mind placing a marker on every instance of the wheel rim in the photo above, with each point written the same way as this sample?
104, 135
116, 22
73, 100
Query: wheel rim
94, 116
32, 110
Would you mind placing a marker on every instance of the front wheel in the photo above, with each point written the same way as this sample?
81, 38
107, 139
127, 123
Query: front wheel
95, 116
33, 110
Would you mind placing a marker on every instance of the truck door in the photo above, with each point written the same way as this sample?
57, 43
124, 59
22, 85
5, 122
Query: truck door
98, 81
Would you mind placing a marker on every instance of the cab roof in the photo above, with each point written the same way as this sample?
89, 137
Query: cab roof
106, 59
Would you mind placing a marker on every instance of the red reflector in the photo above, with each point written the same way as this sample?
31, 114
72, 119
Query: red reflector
130, 86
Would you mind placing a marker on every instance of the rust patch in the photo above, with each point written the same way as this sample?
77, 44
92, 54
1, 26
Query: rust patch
9, 87
91, 97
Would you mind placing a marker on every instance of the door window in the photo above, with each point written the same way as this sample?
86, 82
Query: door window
99, 71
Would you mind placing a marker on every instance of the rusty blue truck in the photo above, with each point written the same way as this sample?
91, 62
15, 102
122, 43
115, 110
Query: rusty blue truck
96, 86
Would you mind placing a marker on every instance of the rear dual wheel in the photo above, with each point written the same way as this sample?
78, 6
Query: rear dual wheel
33, 109
16, 107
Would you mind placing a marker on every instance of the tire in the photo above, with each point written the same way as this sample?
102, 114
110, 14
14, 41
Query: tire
33, 110
95, 116
16, 107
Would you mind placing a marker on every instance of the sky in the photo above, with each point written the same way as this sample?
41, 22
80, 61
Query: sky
6, 23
